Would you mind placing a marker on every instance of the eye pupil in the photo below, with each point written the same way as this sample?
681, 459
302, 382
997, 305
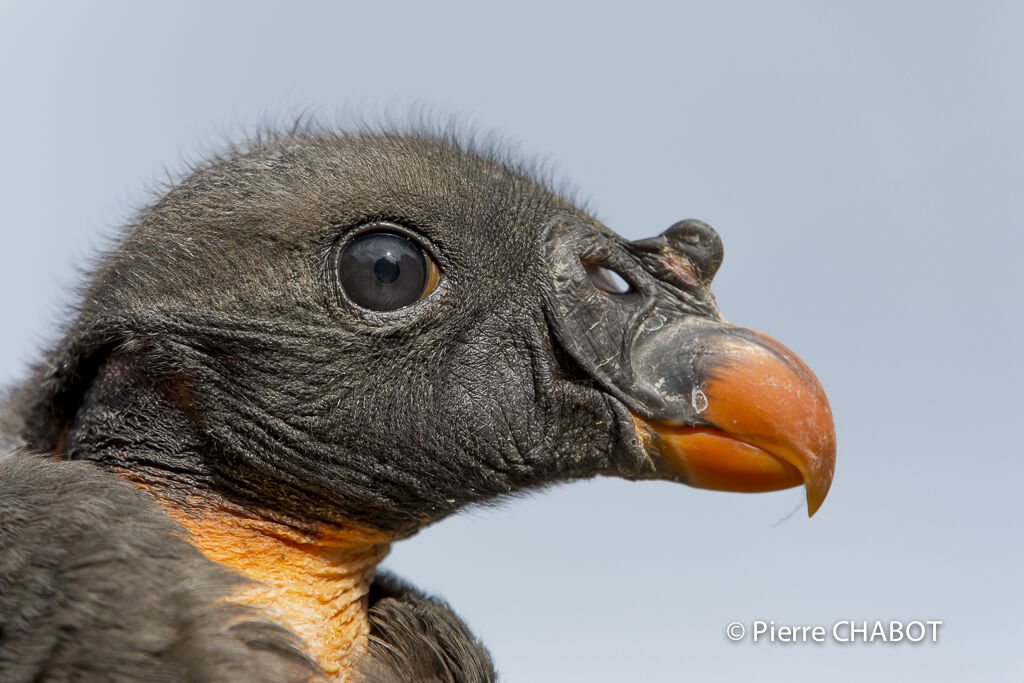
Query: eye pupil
387, 270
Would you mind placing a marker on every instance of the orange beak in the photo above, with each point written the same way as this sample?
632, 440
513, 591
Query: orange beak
771, 426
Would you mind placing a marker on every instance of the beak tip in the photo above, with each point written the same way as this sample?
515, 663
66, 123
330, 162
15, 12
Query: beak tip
813, 504
818, 486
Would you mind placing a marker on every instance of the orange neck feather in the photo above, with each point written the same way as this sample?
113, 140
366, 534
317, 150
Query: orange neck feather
314, 582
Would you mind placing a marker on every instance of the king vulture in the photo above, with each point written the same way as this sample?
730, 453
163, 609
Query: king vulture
314, 346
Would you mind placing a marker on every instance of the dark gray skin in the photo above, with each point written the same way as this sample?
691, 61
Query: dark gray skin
213, 354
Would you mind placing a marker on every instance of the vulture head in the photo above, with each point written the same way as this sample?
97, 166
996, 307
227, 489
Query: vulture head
317, 345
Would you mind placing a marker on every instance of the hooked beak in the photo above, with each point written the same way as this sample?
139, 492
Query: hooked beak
758, 418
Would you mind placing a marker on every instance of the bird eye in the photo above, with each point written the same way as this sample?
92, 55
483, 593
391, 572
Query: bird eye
384, 271
606, 279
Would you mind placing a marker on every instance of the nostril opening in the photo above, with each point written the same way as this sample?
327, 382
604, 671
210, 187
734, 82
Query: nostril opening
607, 280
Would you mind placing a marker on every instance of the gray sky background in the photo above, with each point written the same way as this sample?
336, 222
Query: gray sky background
863, 163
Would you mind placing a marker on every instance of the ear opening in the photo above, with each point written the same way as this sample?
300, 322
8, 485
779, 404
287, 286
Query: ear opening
40, 410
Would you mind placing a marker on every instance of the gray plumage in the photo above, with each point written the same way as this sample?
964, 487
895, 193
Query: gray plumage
418, 638
97, 583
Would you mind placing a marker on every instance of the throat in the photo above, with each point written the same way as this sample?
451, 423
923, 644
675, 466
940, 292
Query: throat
314, 582
311, 578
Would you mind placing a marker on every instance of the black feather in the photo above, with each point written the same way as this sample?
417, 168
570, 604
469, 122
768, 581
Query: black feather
96, 583
418, 638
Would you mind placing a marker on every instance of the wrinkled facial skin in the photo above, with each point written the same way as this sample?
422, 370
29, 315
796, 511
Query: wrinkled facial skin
295, 400
669, 283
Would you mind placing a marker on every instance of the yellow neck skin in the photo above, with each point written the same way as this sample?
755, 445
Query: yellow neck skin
314, 582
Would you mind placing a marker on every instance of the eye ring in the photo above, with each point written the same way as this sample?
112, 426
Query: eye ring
382, 269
